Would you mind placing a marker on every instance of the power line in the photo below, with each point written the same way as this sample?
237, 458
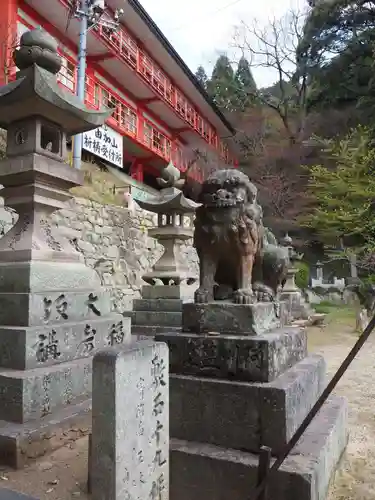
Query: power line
209, 14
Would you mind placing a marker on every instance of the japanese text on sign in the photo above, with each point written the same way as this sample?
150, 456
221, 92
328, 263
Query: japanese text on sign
105, 143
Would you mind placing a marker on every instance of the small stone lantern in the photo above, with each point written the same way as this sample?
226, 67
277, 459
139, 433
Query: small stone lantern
294, 258
299, 309
169, 283
174, 226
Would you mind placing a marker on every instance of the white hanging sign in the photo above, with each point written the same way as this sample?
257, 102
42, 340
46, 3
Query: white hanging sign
105, 143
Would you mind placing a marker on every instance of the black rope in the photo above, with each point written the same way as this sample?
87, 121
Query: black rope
315, 409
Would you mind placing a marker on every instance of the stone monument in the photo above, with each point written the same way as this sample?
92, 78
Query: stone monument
54, 314
130, 423
240, 377
170, 283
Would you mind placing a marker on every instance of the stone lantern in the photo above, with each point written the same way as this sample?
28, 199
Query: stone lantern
298, 307
54, 314
170, 283
294, 259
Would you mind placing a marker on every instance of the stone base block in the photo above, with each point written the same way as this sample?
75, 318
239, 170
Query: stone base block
22, 443
39, 276
34, 309
202, 471
229, 318
183, 292
33, 394
159, 318
26, 348
258, 358
298, 307
245, 415
169, 305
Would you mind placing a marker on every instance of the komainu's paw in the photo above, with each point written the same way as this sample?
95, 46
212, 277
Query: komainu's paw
263, 293
243, 296
202, 296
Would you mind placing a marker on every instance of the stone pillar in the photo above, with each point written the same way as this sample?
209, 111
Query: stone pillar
54, 314
130, 423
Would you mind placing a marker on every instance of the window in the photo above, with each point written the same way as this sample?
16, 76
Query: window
180, 104
105, 98
66, 75
158, 141
190, 114
129, 119
97, 95
147, 133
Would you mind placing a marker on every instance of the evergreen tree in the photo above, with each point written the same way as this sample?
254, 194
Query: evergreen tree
221, 85
245, 86
344, 196
201, 76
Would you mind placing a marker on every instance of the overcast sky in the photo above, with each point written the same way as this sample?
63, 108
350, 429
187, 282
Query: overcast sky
201, 29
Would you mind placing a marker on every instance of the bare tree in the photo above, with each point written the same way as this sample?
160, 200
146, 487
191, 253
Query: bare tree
201, 162
274, 47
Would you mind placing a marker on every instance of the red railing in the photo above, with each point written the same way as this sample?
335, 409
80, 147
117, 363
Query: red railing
124, 117
127, 48
126, 120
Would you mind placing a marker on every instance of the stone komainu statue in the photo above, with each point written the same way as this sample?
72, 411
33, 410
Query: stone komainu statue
239, 257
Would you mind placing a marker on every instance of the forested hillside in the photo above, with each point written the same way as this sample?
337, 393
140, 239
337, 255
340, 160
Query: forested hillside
299, 130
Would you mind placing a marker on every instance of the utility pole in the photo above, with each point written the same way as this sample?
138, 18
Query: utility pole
90, 13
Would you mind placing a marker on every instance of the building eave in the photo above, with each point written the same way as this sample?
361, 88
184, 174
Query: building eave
155, 30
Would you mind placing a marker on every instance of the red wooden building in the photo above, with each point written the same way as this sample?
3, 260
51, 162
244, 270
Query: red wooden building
160, 110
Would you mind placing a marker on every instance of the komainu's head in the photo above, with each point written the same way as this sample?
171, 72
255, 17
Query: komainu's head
227, 188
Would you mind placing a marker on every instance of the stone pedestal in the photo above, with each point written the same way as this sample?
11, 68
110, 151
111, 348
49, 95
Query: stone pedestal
160, 309
236, 391
221, 316
298, 307
54, 314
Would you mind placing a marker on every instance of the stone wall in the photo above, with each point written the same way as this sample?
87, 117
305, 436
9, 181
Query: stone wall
114, 241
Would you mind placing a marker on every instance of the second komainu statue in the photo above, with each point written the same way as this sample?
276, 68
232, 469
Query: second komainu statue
239, 258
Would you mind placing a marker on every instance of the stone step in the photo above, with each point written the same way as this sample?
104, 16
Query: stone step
245, 415
183, 292
22, 443
32, 394
37, 346
251, 358
200, 471
157, 318
151, 331
168, 305
34, 309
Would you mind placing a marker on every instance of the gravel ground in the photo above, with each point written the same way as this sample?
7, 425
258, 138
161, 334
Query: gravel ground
62, 475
